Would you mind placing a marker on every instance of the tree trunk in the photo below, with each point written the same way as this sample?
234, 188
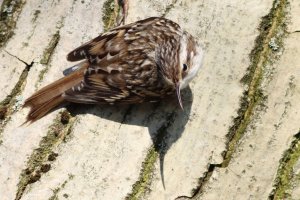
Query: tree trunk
237, 137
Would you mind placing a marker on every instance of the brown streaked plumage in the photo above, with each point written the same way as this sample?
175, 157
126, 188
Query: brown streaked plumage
143, 61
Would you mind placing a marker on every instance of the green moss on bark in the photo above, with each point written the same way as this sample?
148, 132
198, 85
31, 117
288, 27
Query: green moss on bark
9, 13
39, 161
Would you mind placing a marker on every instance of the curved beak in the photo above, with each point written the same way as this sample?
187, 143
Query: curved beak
178, 95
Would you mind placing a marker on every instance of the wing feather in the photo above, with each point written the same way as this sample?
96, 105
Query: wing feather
123, 65
114, 40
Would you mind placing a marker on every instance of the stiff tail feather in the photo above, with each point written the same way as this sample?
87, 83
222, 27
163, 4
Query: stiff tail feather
51, 96
39, 110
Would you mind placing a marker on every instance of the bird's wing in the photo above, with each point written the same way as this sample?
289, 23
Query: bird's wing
100, 86
114, 41
121, 67
129, 77
97, 49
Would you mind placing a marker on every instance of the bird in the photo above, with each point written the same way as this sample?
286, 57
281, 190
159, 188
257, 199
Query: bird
144, 61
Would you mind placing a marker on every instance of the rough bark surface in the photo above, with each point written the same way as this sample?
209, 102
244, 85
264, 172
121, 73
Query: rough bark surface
237, 138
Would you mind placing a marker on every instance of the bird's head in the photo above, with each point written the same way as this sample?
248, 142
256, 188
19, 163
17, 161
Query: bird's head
190, 61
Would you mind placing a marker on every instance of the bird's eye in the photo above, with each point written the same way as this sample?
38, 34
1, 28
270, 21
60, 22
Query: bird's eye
185, 67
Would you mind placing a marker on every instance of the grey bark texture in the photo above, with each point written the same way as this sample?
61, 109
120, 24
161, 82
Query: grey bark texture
238, 136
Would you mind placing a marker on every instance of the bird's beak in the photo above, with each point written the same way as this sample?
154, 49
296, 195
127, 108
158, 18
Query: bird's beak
178, 95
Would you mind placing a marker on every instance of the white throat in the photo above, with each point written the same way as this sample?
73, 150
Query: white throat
196, 65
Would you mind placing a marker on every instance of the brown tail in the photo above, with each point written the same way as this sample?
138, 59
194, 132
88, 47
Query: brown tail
49, 97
